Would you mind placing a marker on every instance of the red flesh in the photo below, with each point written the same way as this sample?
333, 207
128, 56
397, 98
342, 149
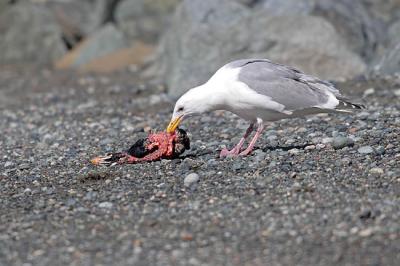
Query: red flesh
162, 142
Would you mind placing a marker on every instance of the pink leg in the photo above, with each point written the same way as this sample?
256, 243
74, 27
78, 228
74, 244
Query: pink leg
249, 149
235, 151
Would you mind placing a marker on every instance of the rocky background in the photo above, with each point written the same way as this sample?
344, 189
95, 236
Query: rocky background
173, 39
79, 78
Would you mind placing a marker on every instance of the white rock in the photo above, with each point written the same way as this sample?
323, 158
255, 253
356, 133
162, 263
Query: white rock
106, 205
191, 179
376, 170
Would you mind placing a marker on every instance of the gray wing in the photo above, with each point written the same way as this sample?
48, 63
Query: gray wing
285, 85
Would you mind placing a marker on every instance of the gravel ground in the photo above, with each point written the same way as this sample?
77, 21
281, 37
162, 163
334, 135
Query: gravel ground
323, 190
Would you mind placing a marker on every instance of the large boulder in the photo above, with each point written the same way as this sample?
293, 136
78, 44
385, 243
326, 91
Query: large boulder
29, 33
352, 20
104, 41
354, 23
389, 62
78, 19
387, 11
85, 16
144, 20
289, 7
206, 34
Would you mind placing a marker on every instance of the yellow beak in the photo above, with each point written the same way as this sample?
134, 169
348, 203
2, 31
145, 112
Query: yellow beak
174, 124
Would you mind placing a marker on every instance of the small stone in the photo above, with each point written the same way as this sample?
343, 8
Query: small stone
294, 151
23, 166
376, 170
320, 146
259, 155
106, 205
106, 141
380, 150
296, 187
27, 191
8, 164
186, 236
191, 179
237, 166
341, 142
365, 150
71, 202
368, 92
326, 140
310, 147
366, 232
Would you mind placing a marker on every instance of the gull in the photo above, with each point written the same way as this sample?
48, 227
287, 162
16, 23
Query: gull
260, 91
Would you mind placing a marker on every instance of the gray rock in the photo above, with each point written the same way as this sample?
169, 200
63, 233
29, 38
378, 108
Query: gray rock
207, 34
376, 170
106, 205
389, 62
8, 164
104, 41
3, 6
393, 33
191, 179
23, 166
259, 155
296, 187
144, 19
380, 150
365, 150
354, 23
386, 11
341, 142
85, 17
289, 7
29, 33
78, 19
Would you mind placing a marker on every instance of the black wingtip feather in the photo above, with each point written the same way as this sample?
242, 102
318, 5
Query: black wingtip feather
348, 105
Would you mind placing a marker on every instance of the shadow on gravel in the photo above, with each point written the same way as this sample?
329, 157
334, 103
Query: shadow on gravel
95, 177
284, 148
264, 149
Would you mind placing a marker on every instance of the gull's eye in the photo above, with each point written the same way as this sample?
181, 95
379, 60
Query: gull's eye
180, 109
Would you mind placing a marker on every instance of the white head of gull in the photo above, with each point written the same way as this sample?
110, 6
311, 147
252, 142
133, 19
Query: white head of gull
260, 91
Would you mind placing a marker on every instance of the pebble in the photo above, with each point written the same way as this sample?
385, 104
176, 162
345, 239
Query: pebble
320, 146
365, 150
376, 170
368, 92
23, 166
380, 150
310, 147
366, 232
8, 164
237, 166
106, 141
106, 205
259, 155
294, 151
191, 179
341, 142
296, 187
326, 140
